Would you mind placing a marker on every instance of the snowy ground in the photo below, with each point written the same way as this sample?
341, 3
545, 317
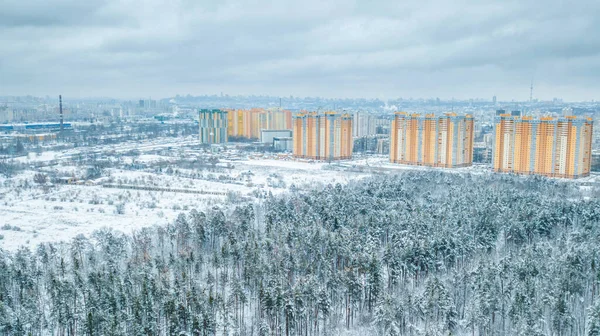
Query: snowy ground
30, 214
72, 210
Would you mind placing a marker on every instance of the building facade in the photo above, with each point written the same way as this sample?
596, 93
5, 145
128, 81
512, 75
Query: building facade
548, 146
436, 141
366, 124
213, 126
249, 123
325, 136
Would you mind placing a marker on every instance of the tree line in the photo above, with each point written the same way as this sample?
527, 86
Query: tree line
418, 253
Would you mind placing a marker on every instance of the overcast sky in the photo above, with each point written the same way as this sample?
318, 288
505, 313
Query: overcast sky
379, 49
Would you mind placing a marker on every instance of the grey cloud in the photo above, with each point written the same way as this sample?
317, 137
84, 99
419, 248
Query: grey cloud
463, 48
48, 14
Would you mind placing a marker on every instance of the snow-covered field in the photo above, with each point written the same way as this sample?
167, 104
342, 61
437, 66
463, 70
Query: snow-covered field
77, 210
31, 214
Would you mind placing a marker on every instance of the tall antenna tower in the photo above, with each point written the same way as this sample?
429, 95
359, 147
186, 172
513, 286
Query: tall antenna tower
60, 112
531, 91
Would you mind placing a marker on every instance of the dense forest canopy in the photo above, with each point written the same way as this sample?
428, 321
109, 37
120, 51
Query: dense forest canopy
418, 253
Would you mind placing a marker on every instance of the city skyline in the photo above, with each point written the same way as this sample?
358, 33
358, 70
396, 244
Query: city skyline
4, 99
461, 50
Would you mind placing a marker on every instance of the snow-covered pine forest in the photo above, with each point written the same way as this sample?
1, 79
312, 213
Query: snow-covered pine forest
419, 253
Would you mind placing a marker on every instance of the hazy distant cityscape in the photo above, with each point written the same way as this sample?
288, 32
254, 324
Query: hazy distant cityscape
372, 117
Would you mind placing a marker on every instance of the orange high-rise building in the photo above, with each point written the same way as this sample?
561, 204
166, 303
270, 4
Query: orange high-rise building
325, 136
235, 122
249, 123
445, 141
545, 146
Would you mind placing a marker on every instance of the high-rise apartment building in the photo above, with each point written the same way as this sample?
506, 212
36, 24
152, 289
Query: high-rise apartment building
147, 103
278, 119
6, 114
235, 122
249, 123
436, 141
213, 126
365, 124
553, 147
325, 136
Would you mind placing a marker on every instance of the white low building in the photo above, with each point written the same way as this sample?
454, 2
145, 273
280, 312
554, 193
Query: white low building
266, 136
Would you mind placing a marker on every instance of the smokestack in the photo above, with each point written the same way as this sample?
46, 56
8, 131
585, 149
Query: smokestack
60, 111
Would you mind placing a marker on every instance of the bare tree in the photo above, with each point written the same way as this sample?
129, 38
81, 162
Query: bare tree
40, 178
213, 160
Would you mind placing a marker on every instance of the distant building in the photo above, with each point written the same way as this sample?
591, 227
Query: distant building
266, 136
595, 161
365, 124
283, 144
567, 111
366, 144
147, 103
494, 100
34, 127
383, 146
325, 136
6, 115
213, 126
66, 180
545, 146
436, 141
488, 139
481, 153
